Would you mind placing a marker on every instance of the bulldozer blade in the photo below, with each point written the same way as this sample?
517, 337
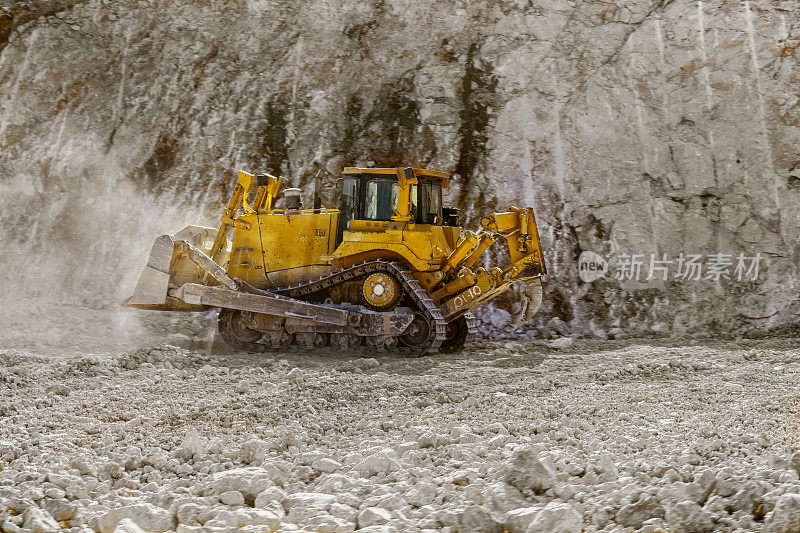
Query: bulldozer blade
531, 301
154, 281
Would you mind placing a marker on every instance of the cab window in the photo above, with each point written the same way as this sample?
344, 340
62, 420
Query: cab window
349, 199
435, 203
430, 203
347, 193
380, 200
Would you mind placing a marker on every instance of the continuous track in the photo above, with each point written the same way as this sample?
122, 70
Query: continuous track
418, 296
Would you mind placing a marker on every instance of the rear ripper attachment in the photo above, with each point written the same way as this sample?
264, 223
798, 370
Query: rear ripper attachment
389, 268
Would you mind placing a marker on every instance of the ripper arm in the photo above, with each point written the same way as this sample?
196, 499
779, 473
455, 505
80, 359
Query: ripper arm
518, 226
463, 288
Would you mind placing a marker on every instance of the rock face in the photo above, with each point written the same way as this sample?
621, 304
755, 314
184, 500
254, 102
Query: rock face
637, 127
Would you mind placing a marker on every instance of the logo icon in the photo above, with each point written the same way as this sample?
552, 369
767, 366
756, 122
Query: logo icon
591, 266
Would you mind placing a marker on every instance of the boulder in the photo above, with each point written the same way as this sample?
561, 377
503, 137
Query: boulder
190, 513
558, 325
384, 462
525, 470
603, 465
633, 514
250, 481
500, 318
785, 517
241, 517
689, 517
144, 515
422, 493
126, 525
325, 523
373, 516
295, 375
683, 492
253, 451
325, 464
345, 512
8, 451
518, 520
61, 510
479, 520
429, 439
556, 518
232, 497
269, 495
39, 521
794, 461
561, 343
502, 497
303, 505
192, 445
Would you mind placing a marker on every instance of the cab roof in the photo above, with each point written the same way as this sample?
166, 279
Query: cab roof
443, 176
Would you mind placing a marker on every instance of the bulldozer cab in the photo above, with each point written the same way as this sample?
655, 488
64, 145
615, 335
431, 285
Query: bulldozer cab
389, 195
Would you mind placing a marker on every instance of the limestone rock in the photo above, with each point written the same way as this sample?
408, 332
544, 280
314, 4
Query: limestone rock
126, 525
785, 517
649, 191
556, 518
269, 495
253, 451
326, 464
39, 521
190, 513
373, 516
518, 520
326, 523
478, 519
689, 517
232, 497
383, 461
144, 515
302, 505
503, 497
525, 470
632, 515
249, 481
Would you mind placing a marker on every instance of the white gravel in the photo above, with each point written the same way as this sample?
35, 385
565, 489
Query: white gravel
511, 436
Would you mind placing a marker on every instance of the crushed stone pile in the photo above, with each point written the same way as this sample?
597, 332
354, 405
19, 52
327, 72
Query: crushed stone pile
518, 437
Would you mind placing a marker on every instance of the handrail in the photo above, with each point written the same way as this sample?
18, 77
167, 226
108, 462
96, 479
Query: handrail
323, 210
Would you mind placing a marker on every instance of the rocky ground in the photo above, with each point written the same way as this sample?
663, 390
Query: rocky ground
517, 436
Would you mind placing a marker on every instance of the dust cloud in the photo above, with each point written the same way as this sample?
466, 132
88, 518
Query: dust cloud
74, 242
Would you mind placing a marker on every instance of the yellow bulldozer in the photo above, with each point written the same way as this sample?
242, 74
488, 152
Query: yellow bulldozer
389, 267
